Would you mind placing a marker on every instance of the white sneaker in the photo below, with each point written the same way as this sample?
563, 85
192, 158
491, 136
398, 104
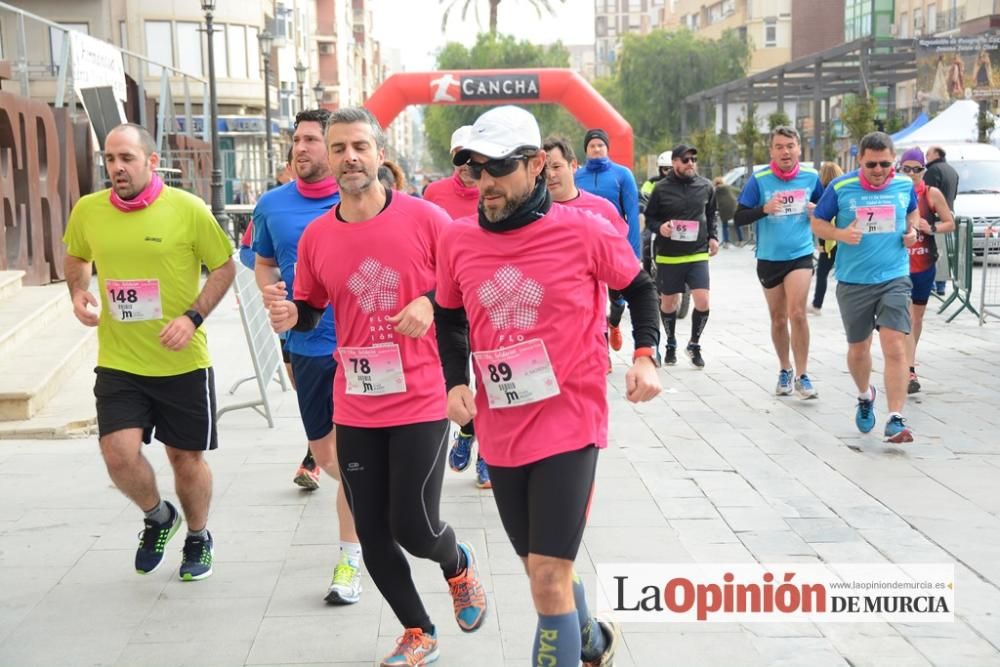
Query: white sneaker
785, 383
346, 585
804, 386
813, 310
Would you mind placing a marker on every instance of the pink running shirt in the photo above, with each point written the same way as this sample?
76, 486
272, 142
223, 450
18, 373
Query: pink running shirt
540, 285
600, 206
451, 195
370, 271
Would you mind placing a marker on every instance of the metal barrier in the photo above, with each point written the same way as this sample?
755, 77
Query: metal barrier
265, 349
989, 293
959, 249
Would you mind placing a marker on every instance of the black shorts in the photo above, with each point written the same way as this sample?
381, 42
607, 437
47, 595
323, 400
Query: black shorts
771, 274
544, 505
179, 408
314, 390
671, 278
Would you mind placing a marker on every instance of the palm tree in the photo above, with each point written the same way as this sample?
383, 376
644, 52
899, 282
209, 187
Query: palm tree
494, 4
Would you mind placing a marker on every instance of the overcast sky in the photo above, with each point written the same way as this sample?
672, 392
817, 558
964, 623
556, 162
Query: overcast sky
414, 26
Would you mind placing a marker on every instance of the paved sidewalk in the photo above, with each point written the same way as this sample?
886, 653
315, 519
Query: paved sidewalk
715, 470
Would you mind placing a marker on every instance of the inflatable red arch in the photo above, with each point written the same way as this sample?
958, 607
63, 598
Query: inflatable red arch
506, 86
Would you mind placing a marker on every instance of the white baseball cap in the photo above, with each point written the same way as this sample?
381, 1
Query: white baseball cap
460, 137
500, 132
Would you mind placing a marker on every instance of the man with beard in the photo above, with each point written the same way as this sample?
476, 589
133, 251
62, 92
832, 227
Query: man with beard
877, 216
682, 214
280, 218
373, 258
507, 284
154, 374
779, 199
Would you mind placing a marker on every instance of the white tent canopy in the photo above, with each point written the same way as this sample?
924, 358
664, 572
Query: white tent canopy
957, 123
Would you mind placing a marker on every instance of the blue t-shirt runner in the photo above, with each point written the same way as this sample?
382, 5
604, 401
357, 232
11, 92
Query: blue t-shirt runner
786, 235
280, 217
881, 255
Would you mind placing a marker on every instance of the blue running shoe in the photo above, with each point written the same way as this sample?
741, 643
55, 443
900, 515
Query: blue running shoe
784, 387
864, 418
197, 561
461, 451
896, 431
153, 539
467, 593
804, 386
483, 474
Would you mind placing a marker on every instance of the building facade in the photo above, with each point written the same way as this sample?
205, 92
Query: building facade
613, 19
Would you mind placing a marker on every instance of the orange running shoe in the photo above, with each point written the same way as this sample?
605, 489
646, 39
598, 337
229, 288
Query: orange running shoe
414, 648
467, 593
307, 478
615, 337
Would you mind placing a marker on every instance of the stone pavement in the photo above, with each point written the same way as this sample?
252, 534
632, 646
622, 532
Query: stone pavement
717, 469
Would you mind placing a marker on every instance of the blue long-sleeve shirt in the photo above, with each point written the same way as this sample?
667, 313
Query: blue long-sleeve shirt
615, 183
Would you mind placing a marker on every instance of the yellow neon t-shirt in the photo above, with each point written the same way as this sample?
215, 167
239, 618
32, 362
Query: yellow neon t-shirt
148, 270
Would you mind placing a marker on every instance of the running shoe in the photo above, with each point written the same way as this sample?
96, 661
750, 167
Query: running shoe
671, 358
785, 385
413, 649
615, 337
864, 418
346, 585
467, 593
307, 478
896, 431
813, 310
461, 451
153, 539
483, 474
612, 636
805, 389
197, 561
694, 352
914, 386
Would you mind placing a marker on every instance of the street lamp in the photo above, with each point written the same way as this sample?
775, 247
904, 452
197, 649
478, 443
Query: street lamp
319, 90
266, 42
218, 206
300, 76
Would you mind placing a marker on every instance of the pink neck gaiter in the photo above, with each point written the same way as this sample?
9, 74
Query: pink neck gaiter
784, 175
141, 200
461, 190
875, 188
321, 189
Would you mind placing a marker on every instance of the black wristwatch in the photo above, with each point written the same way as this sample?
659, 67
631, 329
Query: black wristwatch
195, 317
933, 226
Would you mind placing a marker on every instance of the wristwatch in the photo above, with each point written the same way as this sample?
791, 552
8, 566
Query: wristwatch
933, 226
647, 352
195, 317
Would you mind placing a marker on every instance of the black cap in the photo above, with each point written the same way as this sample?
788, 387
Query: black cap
680, 150
596, 133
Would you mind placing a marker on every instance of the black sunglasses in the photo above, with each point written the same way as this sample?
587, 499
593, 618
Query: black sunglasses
912, 170
689, 159
871, 165
495, 168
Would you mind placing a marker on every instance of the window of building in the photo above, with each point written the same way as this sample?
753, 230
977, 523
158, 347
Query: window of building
728, 7
56, 37
904, 25
715, 13
219, 45
283, 20
122, 35
770, 32
237, 51
286, 94
253, 55
932, 19
189, 48
159, 44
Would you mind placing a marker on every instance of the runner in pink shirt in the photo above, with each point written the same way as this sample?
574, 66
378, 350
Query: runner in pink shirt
507, 284
459, 196
373, 258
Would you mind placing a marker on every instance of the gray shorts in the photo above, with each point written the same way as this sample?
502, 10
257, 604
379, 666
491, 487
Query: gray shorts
864, 308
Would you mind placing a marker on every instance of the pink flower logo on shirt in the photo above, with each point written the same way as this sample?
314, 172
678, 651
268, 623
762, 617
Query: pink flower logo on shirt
511, 299
375, 285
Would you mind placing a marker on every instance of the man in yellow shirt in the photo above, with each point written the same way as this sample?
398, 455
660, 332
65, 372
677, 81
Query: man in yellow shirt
154, 374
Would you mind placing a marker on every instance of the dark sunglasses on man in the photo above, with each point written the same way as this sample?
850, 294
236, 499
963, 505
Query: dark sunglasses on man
688, 159
906, 169
496, 168
885, 164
